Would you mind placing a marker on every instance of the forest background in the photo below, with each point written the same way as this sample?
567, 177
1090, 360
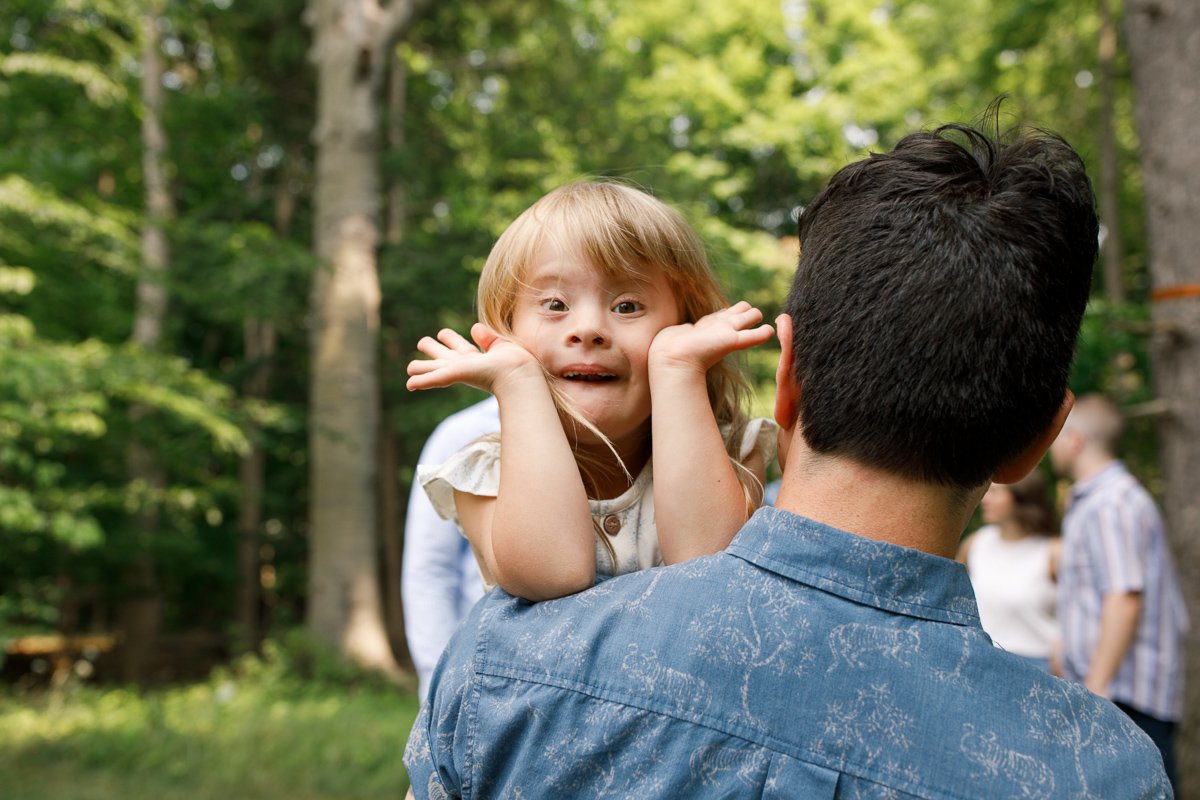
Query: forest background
224, 224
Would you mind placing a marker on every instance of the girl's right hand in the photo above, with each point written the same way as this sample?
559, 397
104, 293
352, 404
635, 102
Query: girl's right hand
489, 362
698, 346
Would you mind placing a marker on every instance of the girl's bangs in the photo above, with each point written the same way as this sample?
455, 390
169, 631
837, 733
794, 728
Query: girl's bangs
610, 242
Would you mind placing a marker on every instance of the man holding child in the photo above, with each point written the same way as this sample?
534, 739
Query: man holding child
834, 649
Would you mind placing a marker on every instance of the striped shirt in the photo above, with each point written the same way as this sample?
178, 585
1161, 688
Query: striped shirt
1113, 541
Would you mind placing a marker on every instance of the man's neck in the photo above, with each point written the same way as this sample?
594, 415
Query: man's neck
1091, 463
876, 504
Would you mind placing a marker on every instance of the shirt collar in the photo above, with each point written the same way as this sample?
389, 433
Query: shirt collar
1085, 487
877, 574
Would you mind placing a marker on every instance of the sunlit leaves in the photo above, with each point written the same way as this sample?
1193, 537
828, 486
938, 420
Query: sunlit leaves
56, 398
192, 409
16, 280
96, 83
104, 237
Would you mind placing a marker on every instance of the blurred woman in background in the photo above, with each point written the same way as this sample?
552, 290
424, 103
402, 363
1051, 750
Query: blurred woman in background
1011, 561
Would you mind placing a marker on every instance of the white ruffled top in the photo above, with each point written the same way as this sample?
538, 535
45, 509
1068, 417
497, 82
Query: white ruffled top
627, 520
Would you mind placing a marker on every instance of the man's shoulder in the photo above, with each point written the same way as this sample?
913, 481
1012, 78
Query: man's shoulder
567, 631
661, 639
739, 670
460, 429
1034, 731
1116, 485
1117, 502
485, 412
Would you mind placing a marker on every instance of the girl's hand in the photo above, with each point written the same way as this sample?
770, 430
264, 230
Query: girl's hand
452, 359
698, 346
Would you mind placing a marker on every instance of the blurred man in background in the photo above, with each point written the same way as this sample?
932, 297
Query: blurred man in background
1119, 604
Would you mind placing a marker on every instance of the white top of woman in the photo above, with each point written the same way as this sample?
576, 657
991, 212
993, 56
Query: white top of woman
1011, 561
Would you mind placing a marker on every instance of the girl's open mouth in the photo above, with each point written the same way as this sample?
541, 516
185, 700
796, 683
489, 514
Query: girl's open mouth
589, 377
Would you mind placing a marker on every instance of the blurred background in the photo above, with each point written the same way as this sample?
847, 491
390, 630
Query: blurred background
224, 224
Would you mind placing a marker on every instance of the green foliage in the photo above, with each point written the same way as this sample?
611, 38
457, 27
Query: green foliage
296, 662
67, 240
96, 84
259, 729
55, 399
75, 398
60, 405
1113, 358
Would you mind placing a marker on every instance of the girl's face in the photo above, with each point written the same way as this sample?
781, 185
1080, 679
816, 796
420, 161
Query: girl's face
997, 504
592, 334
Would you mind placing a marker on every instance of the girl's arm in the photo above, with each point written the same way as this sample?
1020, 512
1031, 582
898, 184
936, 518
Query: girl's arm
535, 538
698, 500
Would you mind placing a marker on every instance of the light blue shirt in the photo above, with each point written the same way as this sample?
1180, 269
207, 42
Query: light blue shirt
440, 579
803, 662
1114, 542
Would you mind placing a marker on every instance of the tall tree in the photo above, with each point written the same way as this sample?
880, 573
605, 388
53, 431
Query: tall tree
350, 43
141, 612
1164, 47
1109, 198
392, 504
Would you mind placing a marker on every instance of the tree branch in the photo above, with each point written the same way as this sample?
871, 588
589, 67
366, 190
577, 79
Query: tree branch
1151, 408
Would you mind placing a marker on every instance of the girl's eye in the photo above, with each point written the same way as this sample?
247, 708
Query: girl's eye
627, 307
554, 304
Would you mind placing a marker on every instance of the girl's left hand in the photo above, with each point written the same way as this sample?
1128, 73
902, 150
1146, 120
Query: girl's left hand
700, 345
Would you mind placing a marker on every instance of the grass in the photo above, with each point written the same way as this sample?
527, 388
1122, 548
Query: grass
263, 729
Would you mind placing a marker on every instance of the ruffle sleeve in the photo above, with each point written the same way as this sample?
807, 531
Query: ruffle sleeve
474, 470
761, 435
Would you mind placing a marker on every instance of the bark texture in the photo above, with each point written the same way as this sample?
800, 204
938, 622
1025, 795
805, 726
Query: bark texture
350, 39
1164, 47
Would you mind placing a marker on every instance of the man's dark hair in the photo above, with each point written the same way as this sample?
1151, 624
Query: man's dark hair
938, 298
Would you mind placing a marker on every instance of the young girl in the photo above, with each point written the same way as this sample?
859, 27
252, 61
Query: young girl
597, 300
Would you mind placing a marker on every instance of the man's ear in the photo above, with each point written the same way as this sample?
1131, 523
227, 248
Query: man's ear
1020, 466
787, 393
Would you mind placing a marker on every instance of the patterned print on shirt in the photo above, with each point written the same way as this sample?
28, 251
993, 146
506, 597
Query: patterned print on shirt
1034, 778
680, 691
711, 762
752, 637
1073, 725
874, 726
860, 645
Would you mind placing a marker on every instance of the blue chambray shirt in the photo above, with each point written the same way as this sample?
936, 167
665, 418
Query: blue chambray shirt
803, 662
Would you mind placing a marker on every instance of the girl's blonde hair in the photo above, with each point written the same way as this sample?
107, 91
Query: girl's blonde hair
622, 232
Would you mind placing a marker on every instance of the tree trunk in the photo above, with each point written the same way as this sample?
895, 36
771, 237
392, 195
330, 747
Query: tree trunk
260, 353
141, 608
350, 38
391, 509
391, 502
151, 311
1164, 46
1114, 280
397, 206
